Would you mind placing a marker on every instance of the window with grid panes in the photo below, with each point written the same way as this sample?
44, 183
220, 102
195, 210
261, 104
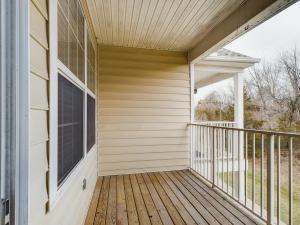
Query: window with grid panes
71, 36
90, 65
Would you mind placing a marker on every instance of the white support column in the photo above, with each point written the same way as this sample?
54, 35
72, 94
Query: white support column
239, 100
239, 140
192, 83
192, 106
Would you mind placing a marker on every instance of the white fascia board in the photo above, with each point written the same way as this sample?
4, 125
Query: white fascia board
250, 14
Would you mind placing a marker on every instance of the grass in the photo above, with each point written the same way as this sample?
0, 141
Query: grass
284, 187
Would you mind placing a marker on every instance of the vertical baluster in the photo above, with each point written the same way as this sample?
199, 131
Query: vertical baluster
206, 148
197, 149
228, 147
207, 152
217, 155
192, 146
262, 175
270, 205
246, 159
222, 155
253, 172
213, 158
278, 180
201, 151
232, 161
239, 165
290, 180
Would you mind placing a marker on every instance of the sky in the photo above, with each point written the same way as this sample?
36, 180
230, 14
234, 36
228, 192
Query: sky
266, 41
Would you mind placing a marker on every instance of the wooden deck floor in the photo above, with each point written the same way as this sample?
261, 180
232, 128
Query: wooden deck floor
176, 197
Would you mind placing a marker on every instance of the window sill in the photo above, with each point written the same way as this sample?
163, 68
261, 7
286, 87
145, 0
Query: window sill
66, 185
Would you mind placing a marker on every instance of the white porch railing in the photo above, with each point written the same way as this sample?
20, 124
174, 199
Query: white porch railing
217, 123
221, 155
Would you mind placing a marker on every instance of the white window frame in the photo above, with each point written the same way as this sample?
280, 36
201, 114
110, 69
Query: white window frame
58, 68
89, 92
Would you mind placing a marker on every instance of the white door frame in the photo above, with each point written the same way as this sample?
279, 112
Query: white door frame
14, 110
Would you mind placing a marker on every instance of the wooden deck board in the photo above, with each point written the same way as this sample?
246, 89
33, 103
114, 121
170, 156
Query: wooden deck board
163, 198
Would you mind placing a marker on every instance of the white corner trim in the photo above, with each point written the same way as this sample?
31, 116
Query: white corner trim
53, 120
22, 108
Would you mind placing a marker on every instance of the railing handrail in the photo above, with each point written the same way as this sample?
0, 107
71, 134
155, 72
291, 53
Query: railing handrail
223, 121
280, 133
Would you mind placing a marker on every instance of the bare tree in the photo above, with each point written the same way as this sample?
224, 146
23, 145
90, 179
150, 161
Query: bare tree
290, 66
275, 86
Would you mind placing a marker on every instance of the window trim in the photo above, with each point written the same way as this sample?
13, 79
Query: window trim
93, 97
58, 68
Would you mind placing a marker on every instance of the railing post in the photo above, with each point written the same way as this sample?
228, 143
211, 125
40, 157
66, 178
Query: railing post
270, 183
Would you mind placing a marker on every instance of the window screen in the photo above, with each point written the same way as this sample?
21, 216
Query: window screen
90, 122
70, 127
71, 36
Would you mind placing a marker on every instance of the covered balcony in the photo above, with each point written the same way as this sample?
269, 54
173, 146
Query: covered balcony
156, 165
113, 107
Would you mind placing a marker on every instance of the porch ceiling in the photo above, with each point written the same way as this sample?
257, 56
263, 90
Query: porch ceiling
157, 24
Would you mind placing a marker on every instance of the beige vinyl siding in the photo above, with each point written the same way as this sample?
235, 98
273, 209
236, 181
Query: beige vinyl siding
143, 110
71, 206
39, 111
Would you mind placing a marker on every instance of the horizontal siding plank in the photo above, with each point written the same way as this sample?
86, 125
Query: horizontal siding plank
142, 126
143, 134
143, 112
38, 26
38, 92
39, 155
144, 65
144, 104
142, 170
37, 180
38, 126
143, 96
42, 6
144, 119
143, 141
143, 164
38, 59
143, 149
113, 79
142, 73
144, 156
125, 88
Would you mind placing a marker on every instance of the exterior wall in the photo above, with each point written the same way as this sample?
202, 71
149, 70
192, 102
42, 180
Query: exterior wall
143, 110
39, 111
72, 204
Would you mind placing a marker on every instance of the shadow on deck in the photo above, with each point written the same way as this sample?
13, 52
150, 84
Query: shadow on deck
176, 197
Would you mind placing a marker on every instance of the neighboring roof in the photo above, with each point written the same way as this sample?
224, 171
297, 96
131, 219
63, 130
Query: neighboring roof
221, 65
224, 54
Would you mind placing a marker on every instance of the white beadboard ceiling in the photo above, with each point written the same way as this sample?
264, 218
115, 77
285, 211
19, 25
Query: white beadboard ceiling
157, 24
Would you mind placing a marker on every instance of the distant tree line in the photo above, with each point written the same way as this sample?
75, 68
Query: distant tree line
271, 96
